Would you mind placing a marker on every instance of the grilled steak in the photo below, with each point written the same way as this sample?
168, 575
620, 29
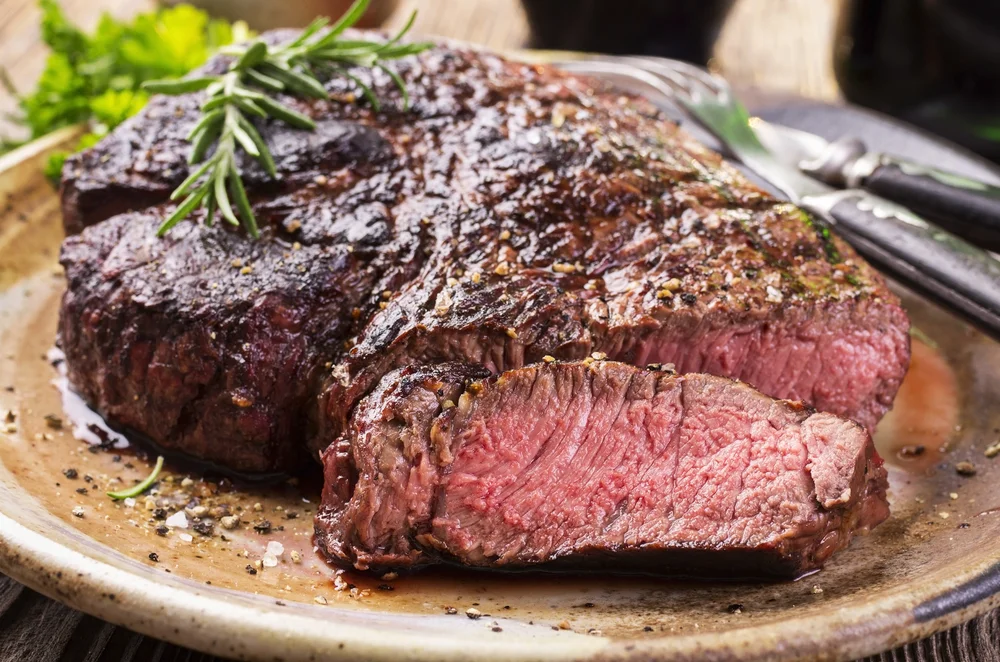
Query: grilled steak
204, 342
514, 212
576, 465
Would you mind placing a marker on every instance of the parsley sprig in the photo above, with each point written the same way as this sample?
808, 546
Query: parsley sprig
246, 90
93, 78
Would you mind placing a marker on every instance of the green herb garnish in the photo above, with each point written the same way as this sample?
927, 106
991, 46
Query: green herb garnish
140, 487
96, 78
919, 334
247, 90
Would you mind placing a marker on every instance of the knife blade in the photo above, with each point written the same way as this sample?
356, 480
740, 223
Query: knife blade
962, 205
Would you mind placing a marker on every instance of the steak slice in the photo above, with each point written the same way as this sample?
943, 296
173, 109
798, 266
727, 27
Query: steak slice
594, 465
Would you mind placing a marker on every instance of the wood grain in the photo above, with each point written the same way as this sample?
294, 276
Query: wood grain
777, 45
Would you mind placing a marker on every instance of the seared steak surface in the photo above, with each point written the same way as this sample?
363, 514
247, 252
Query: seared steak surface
204, 342
572, 465
514, 213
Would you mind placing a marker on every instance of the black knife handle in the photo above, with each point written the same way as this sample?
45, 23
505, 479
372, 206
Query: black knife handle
956, 273
966, 207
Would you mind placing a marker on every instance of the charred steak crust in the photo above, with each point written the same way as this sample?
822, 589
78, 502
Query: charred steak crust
220, 359
355, 481
573, 465
516, 211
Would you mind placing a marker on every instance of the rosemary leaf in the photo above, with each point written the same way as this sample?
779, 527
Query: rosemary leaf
141, 487
365, 90
204, 140
399, 84
189, 205
280, 111
268, 83
185, 186
248, 106
350, 17
399, 35
318, 24
180, 86
266, 159
222, 199
243, 138
242, 202
206, 119
253, 56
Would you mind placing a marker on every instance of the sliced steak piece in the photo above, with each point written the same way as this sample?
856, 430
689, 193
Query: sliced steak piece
594, 465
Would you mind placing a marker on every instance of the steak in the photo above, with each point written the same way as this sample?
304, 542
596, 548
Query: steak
204, 342
570, 465
514, 214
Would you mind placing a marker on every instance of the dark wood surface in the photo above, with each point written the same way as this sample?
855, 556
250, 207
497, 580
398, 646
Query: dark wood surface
794, 58
34, 628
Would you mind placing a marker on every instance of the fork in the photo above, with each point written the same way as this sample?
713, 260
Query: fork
928, 259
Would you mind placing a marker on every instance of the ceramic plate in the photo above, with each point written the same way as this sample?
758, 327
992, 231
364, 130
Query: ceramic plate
259, 591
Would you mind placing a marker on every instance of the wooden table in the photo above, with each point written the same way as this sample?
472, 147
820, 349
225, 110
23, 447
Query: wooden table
794, 58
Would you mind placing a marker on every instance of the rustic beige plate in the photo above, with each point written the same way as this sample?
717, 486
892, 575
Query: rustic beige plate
935, 563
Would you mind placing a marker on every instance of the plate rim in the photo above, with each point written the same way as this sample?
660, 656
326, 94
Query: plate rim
128, 599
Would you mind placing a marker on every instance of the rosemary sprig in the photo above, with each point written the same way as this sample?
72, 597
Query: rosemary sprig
246, 91
138, 489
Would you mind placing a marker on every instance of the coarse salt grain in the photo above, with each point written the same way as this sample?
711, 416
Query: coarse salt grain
276, 548
178, 520
186, 537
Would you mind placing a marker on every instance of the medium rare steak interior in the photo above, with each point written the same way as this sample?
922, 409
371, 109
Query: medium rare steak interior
578, 465
514, 212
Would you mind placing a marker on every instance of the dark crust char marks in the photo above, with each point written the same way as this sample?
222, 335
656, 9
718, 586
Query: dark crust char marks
220, 359
406, 402
411, 455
